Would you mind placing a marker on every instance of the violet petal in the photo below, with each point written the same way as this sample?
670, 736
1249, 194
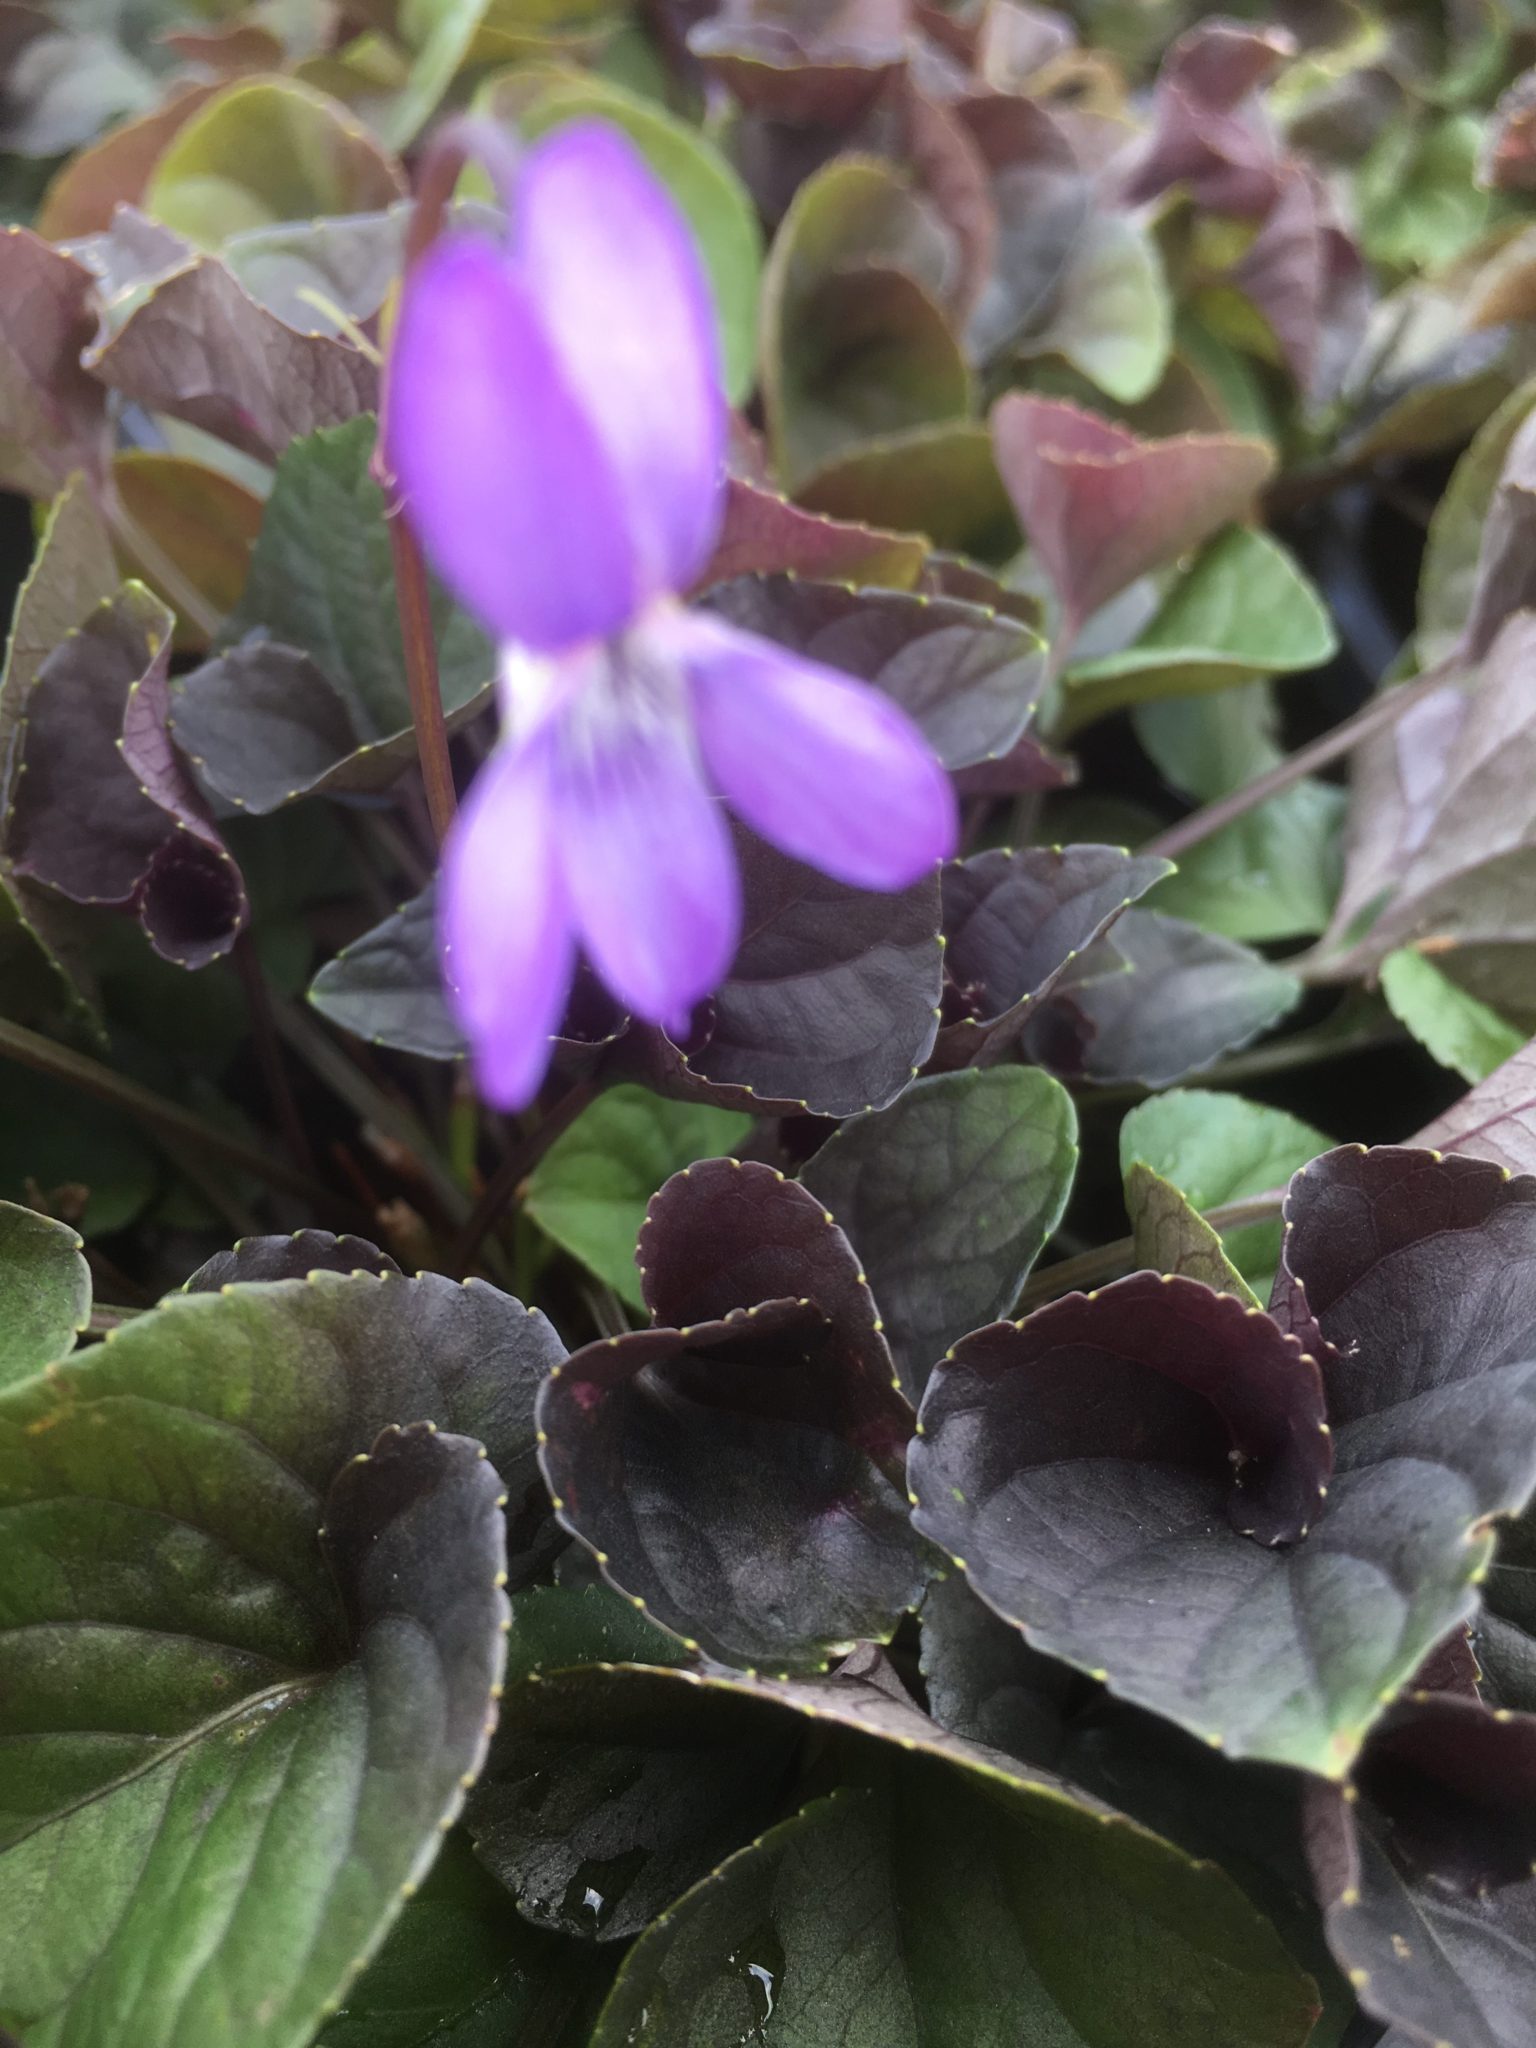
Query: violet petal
613, 269
506, 480
507, 945
825, 767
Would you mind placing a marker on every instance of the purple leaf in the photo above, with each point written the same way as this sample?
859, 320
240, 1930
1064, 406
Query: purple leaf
738, 1473
53, 417
1101, 506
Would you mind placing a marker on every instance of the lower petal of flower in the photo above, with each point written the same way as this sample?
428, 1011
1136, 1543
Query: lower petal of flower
508, 947
825, 767
647, 857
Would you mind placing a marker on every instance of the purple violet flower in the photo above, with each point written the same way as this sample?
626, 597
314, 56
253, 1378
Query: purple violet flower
557, 423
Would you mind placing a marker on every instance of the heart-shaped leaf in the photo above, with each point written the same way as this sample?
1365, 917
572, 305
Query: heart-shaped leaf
103, 811
940, 481
831, 1004
1289, 1653
855, 344
1188, 996
1454, 1026
948, 1198
1495, 1120
736, 1469
262, 725
263, 151
1244, 610
824, 66
590, 1190
969, 678
1101, 506
52, 415
1013, 924
762, 534
1171, 1236
207, 1651
1423, 1870
200, 348
818, 1925
45, 1292
1112, 313
1217, 1148
288, 1258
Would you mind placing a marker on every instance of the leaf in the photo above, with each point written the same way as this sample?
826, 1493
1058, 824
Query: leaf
1244, 610
201, 349
348, 1774
1219, 1148
86, 190
948, 1198
941, 1885
441, 38
461, 1969
1418, 200
1288, 1653
1495, 1120
1448, 576
968, 677
831, 1004
825, 67
321, 560
1209, 130
589, 1191
45, 1292
386, 986
1303, 273
1101, 507
1474, 839
98, 1166
309, 272
53, 416
1448, 1963
1189, 997
1455, 1027
762, 534
855, 345
1112, 317
102, 811
735, 1469
293, 1257
940, 481
1014, 923
262, 151
1042, 199
201, 521
710, 195
1173, 1237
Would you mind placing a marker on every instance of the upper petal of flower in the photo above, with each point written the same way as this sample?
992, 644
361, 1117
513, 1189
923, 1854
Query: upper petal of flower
507, 944
825, 767
647, 859
612, 267
508, 484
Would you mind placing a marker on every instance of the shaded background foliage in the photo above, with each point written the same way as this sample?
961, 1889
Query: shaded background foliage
1132, 394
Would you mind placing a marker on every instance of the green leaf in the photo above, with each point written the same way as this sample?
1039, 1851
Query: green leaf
1455, 1027
463, 1969
1272, 874
1448, 576
590, 1190
440, 33
1113, 316
948, 1197
1418, 192
53, 1141
940, 481
942, 1890
195, 1680
717, 205
855, 344
266, 151
257, 721
1244, 610
1173, 1237
1217, 1148
45, 1292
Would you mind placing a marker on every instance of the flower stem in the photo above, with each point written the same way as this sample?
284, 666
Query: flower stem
1108, 1261
165, 1119
1382, 711
515, 1168
414, 602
